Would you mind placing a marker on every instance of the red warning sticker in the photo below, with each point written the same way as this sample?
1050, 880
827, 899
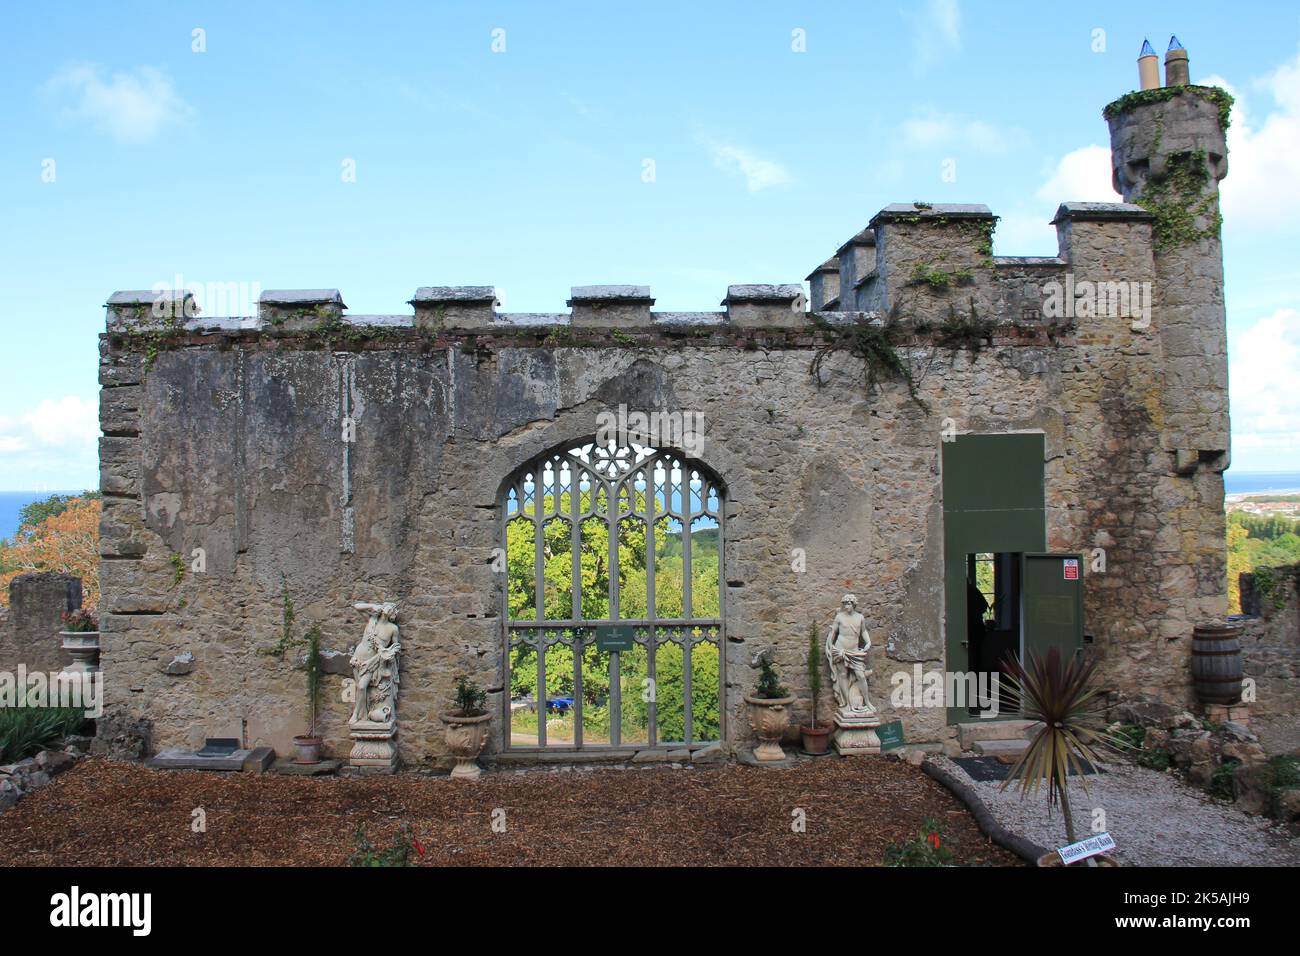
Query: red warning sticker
1071, 569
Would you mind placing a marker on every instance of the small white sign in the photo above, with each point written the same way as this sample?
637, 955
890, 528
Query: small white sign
1086, 848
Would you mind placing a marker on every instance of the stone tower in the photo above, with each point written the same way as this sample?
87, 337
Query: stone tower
1168, 154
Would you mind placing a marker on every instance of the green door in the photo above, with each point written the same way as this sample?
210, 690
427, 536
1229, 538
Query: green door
993, 501
1051, 603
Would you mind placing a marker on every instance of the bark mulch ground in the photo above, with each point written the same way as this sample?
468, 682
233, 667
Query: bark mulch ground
105, 813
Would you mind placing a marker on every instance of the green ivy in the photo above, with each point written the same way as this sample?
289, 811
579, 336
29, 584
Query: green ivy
1221, 98
1179, 200
874, 344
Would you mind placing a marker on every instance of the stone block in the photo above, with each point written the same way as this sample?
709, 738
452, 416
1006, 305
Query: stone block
455, 307
299, 309
766, 306
611, 306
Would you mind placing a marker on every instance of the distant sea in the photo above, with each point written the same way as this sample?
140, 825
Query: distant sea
1235, 483
12, 502
1260, 482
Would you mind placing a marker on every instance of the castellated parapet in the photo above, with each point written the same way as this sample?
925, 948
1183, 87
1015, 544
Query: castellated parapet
343, 458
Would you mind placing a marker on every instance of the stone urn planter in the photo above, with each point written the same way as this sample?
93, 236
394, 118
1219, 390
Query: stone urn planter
80, 638
83, 646
770, 718
466, 737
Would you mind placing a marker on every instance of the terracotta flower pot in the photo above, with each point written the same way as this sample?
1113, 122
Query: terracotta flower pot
308, 749
816, 738
465, 739
770, 718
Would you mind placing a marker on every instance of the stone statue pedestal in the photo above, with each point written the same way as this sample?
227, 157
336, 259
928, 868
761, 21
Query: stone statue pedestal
856, 734
372, 746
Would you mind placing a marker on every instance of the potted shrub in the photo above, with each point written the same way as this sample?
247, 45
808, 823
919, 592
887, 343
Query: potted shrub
1059, 693
467, 727
308, 745
80, 638
816, 733
769, 712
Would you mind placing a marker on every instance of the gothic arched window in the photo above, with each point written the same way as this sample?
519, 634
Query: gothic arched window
613, 600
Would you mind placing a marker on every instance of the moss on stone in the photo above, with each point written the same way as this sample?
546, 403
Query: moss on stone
1221, 98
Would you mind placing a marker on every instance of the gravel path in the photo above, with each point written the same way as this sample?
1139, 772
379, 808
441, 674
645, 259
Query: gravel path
1155, 818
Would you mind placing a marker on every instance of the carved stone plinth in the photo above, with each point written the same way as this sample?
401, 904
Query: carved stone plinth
372, 746
856, 735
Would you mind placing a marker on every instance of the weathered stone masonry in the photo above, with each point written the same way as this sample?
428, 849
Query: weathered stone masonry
227, 435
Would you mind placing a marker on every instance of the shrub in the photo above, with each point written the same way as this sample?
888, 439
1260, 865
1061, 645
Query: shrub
470, 699
1155, 760
1221, 780
1286, 771
769, 683
1131, 734
25, 731
925, 849
80, 621
315, 676
366, 853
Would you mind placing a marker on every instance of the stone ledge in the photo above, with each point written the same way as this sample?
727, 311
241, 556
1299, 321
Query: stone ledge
1101, 212
910, 212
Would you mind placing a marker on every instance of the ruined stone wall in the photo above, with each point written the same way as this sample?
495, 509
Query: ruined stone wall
1270, 639
340, 458
228, 436
29, 627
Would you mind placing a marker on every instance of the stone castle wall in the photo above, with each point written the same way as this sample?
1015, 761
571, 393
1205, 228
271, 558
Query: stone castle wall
228, 435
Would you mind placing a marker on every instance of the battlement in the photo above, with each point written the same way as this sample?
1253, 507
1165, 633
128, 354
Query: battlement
914, 260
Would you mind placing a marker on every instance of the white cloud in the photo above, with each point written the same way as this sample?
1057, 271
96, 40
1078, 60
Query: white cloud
54, 445
936, 30
759, 173
1082, 175
132, 107
1263, 368
931, 129
1264, 155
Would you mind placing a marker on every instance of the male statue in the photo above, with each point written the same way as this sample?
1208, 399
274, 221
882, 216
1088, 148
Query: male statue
847, 644
374, 665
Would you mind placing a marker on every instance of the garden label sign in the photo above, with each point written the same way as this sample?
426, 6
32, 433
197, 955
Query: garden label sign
613, 637
1086, 848
891, 735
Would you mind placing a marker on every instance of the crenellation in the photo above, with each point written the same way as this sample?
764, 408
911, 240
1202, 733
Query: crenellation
824, 285
610, 306
294, 309
766, 306
455, 307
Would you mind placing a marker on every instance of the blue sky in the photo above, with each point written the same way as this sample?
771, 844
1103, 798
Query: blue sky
527, 167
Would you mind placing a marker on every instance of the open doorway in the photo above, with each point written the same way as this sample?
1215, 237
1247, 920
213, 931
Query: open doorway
992, 617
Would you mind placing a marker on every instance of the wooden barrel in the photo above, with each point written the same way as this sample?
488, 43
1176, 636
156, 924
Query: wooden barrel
1216, 663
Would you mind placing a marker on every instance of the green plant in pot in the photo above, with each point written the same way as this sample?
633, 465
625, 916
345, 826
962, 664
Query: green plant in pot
308, 745
816, 733
1060, 693
467, 728
769, 711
